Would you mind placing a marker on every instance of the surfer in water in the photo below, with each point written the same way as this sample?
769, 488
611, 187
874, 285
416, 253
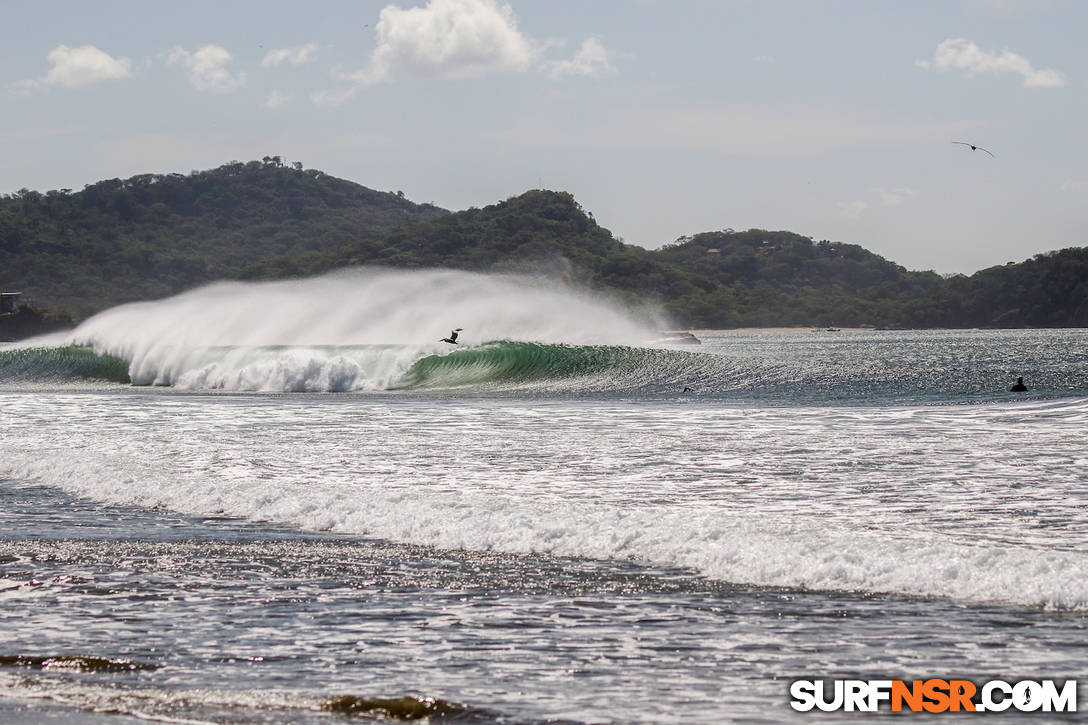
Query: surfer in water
1018, 386
452, 339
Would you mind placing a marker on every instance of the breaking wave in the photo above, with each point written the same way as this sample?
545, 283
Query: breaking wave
493, 365
365, 329
360, 330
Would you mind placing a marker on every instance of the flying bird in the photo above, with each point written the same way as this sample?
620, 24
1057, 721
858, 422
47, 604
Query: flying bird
975, 148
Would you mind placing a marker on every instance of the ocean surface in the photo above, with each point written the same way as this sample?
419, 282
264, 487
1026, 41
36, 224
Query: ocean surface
288, 503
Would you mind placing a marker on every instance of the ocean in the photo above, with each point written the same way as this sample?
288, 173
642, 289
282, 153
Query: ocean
290, 503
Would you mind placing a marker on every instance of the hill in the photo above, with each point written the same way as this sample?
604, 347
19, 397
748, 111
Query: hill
152, 236
544, 232
716, 279
722, 279
778, 278
1048, 290
158, 234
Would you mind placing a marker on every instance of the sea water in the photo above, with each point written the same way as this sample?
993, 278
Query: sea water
211, 513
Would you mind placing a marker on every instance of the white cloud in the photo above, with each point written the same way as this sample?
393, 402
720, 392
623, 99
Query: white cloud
276, 99
961, 54
855, 209
82, 66
447, 39
37, 133
456, 39
207, 68
295, 55
895, 197
25, 87
852, 210
592, 59
1074, 186
333, 97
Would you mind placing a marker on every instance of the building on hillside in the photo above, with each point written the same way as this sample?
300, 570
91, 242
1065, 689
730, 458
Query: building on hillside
9, 302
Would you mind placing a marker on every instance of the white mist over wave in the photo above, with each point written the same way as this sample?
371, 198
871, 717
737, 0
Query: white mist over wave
297, 335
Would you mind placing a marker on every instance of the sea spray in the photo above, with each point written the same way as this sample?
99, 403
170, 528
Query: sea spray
332, 326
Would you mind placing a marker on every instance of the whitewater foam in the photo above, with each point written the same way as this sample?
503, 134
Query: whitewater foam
399, 473
772, 550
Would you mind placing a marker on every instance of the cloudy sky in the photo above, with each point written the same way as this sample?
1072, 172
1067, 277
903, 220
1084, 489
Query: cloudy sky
834, 119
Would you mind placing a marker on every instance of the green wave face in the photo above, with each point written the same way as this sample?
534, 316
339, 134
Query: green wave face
59, 364
507, 362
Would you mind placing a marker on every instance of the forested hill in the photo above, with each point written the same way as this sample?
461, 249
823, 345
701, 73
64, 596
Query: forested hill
1048, 290
722, 279
158, 234
777, 278
543, 232
151, 236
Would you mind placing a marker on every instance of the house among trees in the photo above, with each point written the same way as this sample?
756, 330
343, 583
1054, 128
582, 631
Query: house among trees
9, 302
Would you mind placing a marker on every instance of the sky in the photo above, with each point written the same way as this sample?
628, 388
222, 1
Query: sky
834, 119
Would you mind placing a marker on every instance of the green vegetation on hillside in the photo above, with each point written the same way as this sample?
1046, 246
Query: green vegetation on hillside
1048, 290
544, 232
154, 235
768, 278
